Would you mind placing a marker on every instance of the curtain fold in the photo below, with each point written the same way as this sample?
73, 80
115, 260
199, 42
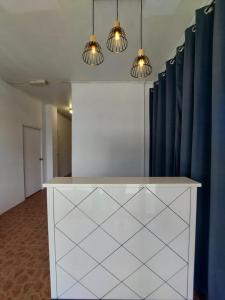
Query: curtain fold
188, 103
160, 127
216, 277
179, 99
154, 98
151, 131
201, 141
170, 116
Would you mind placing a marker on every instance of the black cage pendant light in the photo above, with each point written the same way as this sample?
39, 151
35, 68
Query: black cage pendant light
141, 66
117, 40
92, 54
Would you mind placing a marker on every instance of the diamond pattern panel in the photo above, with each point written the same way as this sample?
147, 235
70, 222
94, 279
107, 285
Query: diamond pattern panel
121, 263
165, 293
144, 206
180, 244
62, 206
99, 245
113, 245
122, 194
75, 195
167, 194
181, 205
64, 281
121, 292
167, 226
167, 258
121, 226
76, 225
143, 281
77, 263
99, 281
62, 243
144, 245
179, 282
98, 206
78, 291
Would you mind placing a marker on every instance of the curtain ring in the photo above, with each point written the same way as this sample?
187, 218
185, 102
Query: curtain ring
209, 8
193, 29
181, 48
163, 74
172, 61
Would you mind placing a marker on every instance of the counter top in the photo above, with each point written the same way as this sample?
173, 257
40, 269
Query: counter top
94, 181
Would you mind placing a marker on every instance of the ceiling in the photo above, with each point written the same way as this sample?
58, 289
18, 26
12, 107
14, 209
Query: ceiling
44, 39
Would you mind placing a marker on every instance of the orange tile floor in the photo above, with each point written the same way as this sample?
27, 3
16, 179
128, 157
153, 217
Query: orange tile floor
24, 265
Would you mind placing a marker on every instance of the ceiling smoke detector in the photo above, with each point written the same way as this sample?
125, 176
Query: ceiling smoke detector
39, 82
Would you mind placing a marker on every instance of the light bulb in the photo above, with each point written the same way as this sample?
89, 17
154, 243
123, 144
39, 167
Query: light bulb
141, 63
93, 49
117, 36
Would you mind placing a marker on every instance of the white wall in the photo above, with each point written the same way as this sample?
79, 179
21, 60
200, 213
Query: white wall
50, 141
110, 129
16, 109
64, 128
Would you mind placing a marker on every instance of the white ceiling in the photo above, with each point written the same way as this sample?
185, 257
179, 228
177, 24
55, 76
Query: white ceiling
44, 39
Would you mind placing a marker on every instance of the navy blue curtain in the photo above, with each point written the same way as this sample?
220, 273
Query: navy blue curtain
201, 141
160, 127
188, 102
170, 116
194, 109
217, 204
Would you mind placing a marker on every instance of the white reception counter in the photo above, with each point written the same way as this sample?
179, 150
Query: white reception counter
122, 237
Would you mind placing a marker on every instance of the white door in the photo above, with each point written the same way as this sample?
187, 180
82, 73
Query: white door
32, 160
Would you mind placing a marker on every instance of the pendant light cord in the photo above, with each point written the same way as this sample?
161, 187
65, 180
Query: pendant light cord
117, 10
141, 25
93, 17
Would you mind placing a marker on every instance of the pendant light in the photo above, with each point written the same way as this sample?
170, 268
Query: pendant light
117, 40
141, 66
92, 54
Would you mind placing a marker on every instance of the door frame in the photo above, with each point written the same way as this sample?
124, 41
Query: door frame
41, 152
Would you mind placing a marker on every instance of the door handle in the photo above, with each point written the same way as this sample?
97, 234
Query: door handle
41, 158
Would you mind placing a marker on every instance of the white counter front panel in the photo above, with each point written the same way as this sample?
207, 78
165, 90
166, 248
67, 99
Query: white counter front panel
120, 242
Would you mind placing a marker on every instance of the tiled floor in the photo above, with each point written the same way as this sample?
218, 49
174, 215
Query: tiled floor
24, 267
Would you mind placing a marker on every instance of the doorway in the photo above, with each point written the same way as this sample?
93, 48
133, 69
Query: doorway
64, 145
32, 160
